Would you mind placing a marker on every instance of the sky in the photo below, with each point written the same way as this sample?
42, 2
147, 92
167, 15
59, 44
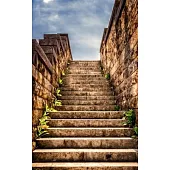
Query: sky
83, 20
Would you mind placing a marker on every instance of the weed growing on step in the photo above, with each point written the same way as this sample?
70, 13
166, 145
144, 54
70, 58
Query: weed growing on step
129, 117
42, 127
58, 92
107, 76
63, 73
117, 108
58, 102
60, 81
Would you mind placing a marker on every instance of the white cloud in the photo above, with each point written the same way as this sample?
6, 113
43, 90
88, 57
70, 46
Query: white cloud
47, 1
83, 20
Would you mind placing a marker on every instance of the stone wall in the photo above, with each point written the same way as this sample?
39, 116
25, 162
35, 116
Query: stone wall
49, 58
119, 53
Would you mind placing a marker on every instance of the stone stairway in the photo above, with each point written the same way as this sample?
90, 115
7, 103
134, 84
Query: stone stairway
86, 132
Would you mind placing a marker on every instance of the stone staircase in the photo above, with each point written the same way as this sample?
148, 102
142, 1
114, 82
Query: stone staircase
86, 132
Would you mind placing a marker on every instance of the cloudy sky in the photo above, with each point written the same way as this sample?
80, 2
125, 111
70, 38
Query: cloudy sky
83, 20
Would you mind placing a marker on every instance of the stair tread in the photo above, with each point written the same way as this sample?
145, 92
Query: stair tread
84, 150
90, 128
91, 111
86, 164
86, 138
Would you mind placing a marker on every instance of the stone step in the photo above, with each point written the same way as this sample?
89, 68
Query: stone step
85, 61
84, 65
87, 93
86, 108
83, 72
87, 115
84, 78
86, 97
85, 88
88, 102
86, 122
86, 166
102, 143
90, 132
89, 155
68, 82
84, 68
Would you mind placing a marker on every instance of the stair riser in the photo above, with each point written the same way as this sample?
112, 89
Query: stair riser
68, 82
85, 123
86, 93
84, 156
83, 72
87, 115
85, 65
86, 97
87, 168
87, 86
72, 79
84, 76
88, 143
106, 89
84, 69
87, 102
89, 132
85, 108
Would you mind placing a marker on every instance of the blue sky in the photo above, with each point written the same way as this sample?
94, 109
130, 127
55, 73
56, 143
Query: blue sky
83, 20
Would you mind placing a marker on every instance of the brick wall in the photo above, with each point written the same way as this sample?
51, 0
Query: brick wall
119, 52
49, 58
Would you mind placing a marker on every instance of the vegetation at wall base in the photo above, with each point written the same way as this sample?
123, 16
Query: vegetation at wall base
58, 92
130, 119
107, 76
117, 108
63, 73
60, 81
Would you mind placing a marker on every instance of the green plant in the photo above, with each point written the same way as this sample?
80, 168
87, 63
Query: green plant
117, 108
58, 103
49, 109
107, 76
58, 92
63, 73
135, 130
60, 81
42, 127
129, 117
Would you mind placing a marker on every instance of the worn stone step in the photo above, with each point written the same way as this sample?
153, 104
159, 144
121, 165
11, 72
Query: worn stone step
86, 97
86, 142
86, 122
88, 102
86, 166
86, 108
68, 82
87, 115
90, 132
83, 76
89, 155
84, 65
85, 88
87, 93
73, 68
85, 61
83, 72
